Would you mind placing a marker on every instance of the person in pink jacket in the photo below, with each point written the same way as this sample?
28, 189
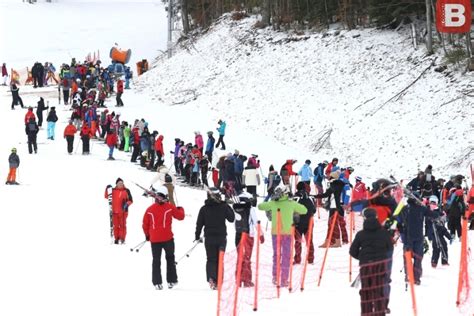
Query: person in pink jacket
199, 141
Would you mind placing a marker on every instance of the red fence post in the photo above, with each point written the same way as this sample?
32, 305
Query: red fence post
220, 278
331, 230
310, 236
257, 264
240, 260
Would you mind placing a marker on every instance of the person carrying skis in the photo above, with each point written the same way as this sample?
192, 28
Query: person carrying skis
436, 232
69, 133
157, 226
14, 162
334, 206
212, 217
371, 246
302, 225
221, 131
283, 208
31, 130
39, 111
121, 200
51, 119
245, 222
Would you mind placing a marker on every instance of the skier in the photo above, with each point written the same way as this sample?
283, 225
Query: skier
4, 74
359, 192
416, 184
119, 92
306, 174
282, 208
221, 130
411, 222
210, 145
128, 77
111, 141
436, 232
85, 135
318, 179
159, 152
455, 208
161, 236
51, 119
334, 205
331, 168
204, 168
39, 111
286, 172
273, 180
302, 225
371, 246
66, 84
251, 179
14, 162
32, 130
121, 200
15, 95
198, 141
126, 135
245, 222
212, 217
69, 132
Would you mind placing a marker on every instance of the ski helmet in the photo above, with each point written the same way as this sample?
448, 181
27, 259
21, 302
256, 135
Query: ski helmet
13, 150
381, 184
161, 194
434, 199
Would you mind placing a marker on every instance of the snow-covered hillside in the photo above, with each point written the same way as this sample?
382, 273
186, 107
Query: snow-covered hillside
297, 88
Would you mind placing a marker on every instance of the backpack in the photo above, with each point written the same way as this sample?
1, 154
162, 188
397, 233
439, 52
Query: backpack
31, 127
242, 225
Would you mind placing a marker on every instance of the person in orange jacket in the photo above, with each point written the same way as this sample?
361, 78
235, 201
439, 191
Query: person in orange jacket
111, 141
121, 200
69, 132
86, 135
159, 151
119, 92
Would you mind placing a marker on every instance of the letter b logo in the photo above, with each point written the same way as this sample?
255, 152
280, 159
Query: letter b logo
453, 16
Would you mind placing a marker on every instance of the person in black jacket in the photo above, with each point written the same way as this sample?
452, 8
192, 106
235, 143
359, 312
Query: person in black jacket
411, 223
32, 130
334, 205
39, 111
15, 95
302, 225
212, 216
51, 119
371, 246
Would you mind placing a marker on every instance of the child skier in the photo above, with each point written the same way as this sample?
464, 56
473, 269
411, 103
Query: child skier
436, 232
14, 162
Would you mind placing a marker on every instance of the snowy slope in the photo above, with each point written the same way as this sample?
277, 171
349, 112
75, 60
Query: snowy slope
57, 258
293, 88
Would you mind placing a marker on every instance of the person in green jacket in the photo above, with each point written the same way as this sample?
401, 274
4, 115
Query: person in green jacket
287, 208
126, 134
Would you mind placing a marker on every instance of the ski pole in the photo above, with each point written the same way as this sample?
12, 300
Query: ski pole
138, 247
188, 253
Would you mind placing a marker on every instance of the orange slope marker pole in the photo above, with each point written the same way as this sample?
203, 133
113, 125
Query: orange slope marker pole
411, 279
257, 265
220, 277
310, 236
290, 283
240, 260
331, 230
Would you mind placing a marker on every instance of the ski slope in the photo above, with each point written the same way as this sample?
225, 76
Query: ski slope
54, 229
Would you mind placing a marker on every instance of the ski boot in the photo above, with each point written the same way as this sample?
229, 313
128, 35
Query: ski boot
158, 287
172, 285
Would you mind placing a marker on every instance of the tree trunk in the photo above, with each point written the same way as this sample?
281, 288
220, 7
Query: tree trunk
184, 16
266, 12
429, 35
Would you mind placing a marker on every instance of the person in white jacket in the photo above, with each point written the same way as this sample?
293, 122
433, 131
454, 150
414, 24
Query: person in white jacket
251, 179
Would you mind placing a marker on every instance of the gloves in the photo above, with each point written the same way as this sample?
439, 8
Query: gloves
262, 239
197, 239
147, 238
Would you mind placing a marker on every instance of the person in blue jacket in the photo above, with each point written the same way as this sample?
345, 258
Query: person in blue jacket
210, 146
221, 130
319, 178
306, 174
128, 76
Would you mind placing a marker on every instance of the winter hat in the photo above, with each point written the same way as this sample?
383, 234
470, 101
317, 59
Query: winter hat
434, 199
118, 180
236, 152
358, 178
53, 108
13, 150
369, 213
325, 162
210, 133
308, 162
168, 178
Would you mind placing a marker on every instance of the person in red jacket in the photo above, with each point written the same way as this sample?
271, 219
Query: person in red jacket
69, 132
85, 136
360, 191
157, 228
135, 143
29, 114
119, 92
159, 152
331, 167
111, 141
121, 200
